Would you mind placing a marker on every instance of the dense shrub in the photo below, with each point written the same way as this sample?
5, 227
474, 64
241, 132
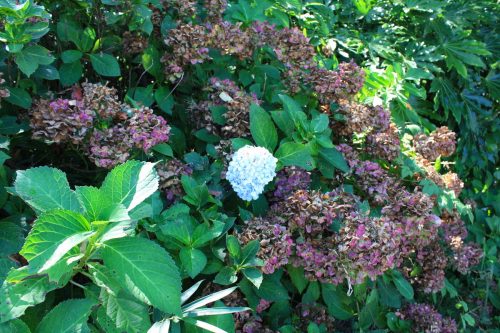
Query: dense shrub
334, 162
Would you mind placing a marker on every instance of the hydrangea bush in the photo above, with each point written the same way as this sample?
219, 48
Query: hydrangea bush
221, 141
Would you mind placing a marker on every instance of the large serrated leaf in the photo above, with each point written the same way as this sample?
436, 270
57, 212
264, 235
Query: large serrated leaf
127, 314
262, 128
45, 189
67, 317
130, 183
53, 235
142, 264
11, 238
98, 208
20, 291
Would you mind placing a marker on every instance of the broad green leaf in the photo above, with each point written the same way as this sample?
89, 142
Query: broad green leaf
233, 246
105, 64
97, 207
254, 275
20, 291
19, 97
227, 275
404, 287
291, 153
127, 314
334, 158
68, 316
131, 183
71, 56
45, 189
70, 73
14, 326
298, 278
11, 238
312, 293
143, 264
294, 111
193, 261
31, 57
52, 236
370, 310
262, 128
336, 302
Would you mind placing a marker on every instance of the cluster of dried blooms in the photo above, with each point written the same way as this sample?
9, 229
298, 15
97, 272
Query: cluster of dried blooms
104, 128
441, 142
4, 92
236, 104
289, 180
275, 241
184, 8
190, 45
170, 173
134, 43
427, 320
464, 256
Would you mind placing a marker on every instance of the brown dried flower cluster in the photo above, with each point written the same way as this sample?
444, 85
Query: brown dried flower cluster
384, 145
274, 239
184, 8
449, 180
133, 42
61, 120
102, 99
236, 102
170, 173
441, 142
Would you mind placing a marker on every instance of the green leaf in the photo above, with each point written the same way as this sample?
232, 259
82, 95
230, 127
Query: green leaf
127, 314
294, 111
227, 275
14, 326
68, 316
53, 235
70, 73
45, 189
143, 264
19, 97
31, 57
131, 183
19, 292
97, 207
262, 128
291, 153
312, 294
233, 246
283, 121
11, 238
254, 275
404, 287
369, 312
334, 158
320, 123
298, 278
336, 302
193, 261
164, 99
105, 64
71, 56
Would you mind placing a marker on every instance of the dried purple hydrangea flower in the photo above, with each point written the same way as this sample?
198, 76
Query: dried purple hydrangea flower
61, 121
147, 129
290, 180
441, 142
110, 147
427, 320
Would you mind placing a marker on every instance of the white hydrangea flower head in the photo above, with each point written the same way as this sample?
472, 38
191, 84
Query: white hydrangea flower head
250, 170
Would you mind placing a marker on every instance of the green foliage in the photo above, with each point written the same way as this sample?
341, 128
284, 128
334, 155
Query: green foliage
79, 257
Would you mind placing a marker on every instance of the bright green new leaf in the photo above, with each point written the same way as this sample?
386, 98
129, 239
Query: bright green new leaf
143, 264
98, 207
19, 292
45, 189
130, 183
68, 316
53, 235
